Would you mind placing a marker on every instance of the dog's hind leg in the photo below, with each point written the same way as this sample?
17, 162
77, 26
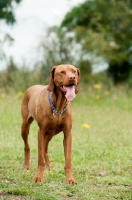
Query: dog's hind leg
24, 133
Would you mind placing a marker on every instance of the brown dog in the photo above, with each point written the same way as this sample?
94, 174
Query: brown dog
50, 107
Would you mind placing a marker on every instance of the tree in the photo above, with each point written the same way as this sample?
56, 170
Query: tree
104, 28
58, 46
7, 15
7, 10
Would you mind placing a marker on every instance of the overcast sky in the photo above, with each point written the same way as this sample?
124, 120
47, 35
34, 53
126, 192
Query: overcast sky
33, 16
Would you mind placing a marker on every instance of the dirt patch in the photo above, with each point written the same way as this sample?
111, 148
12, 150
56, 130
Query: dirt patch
11, 197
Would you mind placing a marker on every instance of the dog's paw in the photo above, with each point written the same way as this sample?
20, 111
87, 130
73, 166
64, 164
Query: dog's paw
37, 179
49, 166
71, 182
25, 167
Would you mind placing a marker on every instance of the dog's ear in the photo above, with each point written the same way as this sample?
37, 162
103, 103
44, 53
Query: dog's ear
50, 86
78, 80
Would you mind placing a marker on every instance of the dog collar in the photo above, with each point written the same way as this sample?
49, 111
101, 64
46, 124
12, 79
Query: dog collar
53, 107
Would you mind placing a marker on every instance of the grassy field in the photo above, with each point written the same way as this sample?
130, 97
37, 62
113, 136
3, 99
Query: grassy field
101, 156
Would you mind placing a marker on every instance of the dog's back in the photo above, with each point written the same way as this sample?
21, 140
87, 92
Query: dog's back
29, 100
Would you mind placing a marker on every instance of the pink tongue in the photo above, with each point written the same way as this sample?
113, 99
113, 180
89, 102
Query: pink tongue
70, 94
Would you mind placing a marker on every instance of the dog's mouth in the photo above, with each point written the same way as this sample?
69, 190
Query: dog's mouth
69, 91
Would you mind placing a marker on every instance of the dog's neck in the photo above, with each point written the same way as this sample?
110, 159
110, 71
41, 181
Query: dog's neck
58, 98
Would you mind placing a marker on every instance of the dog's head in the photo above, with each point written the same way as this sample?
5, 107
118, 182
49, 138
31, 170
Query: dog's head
65, 77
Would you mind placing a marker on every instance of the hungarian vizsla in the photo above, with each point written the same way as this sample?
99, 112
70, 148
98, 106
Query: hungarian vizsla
50, 107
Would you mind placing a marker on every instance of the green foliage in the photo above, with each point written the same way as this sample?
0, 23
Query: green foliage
6, 39
7, 10
105, 29
7, 15
19, 79
59, 46
56, 46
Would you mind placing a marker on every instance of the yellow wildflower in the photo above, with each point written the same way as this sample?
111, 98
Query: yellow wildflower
3, 95
28, 170
85, 126
97, 97
20, 94
97, 86
93, 177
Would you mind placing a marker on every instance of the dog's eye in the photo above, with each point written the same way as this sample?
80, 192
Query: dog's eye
62, 72
74, 71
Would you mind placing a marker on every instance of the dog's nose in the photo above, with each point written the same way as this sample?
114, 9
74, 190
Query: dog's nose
71, 78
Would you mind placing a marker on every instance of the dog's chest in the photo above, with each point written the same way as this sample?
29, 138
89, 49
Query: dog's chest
53, 129
55, 125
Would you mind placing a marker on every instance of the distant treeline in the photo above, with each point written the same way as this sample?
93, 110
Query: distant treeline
19, 79
91, 32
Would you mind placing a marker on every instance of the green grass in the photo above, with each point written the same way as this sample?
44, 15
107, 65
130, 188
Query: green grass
101, 156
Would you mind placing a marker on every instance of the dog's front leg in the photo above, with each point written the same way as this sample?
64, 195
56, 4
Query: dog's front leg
46, 156
67, 142
41, 164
